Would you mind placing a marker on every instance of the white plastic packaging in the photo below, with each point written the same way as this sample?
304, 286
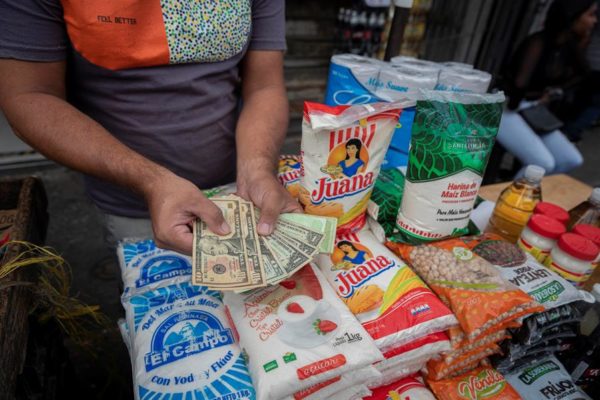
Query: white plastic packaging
458, 79
298, 334
395, 82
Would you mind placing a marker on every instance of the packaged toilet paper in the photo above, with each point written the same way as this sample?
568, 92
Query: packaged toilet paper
352, 80
396, 81
459, 79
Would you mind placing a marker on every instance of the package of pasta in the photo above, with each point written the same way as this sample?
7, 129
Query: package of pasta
478, 384
387, 297
481, 299
288, 173
342, 151
451, 142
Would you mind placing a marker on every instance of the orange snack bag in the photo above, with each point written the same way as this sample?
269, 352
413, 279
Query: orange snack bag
478, 384
481, 299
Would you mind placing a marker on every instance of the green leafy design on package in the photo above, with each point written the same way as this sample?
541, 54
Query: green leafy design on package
450, 137
387, 193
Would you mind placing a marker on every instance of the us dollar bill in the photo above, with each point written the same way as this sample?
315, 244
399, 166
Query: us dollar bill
253, 248
221, 261
301, 233
290, 258
304, 247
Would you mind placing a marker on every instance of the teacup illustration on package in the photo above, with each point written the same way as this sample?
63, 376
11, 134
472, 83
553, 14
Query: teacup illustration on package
307, 322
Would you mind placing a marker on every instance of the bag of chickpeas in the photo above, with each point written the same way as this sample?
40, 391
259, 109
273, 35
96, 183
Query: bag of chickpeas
481, 299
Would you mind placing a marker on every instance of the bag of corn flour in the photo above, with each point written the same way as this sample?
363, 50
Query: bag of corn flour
452, 139
387, 297
183, 346
298, 334
342, 151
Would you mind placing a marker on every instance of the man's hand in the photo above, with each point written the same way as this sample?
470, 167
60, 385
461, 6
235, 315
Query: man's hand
174, 204
263, 189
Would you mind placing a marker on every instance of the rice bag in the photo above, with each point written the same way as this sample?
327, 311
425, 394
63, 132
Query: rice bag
390, 300
342, 151
298, 334
545, 379
182, 346
337, 384
522, 270
418, 351
288, 173
452, 138
409, 388
482, 301
478, 384
146, 267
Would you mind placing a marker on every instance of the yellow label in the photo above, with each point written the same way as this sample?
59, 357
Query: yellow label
539, 254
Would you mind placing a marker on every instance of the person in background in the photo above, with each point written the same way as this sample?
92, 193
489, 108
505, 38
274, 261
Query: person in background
548, 68
144, 99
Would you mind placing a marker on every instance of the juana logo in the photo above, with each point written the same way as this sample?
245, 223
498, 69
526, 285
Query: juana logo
289, 169
356, 264
163, 267
347, 163
185, 334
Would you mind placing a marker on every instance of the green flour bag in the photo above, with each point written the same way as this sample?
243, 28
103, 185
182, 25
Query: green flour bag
452, 138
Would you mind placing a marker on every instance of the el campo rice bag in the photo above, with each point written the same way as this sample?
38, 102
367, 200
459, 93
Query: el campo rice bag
482, 301
342, 151
387, 297
452, 138
298, 334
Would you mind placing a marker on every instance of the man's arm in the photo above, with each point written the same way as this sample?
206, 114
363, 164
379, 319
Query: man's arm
32, 95
260, 133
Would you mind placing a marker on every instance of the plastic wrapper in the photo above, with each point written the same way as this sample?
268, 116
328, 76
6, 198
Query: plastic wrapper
352, 80
541, 325
298, 334
545, 379
478, 384
288, 173
387, 297
386, 198
418, 351
396, 81
522, 270
409, 388
440, 369
337, 385
342, 151
451, 141
482, 301
182, 345
460, 79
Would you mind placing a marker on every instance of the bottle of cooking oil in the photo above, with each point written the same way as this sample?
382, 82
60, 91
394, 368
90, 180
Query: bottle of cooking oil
516, 203
587, 212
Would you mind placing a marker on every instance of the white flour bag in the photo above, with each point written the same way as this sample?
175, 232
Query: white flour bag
387, 297
342, 151
298, 334
145, 266
182, 346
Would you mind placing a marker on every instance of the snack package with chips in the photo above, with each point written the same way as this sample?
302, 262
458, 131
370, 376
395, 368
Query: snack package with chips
288, 173
478, 384
182, 345
408, 388
522, 270
387, 297
145, 267
451, 142
482, 301
298, 334
342, 151
545, 379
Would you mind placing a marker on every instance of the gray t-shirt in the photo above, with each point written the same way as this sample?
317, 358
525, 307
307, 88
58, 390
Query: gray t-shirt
161, 75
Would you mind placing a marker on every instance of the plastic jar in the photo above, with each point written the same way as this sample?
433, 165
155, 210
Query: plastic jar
553, 211
572, 258
591, 232
540, 235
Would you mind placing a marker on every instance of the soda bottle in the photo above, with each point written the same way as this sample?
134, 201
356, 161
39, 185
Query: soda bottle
587, 212
516, 203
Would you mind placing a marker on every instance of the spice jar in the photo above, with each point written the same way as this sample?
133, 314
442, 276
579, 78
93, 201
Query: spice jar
591, 232
540, 235
572, 258
553, 211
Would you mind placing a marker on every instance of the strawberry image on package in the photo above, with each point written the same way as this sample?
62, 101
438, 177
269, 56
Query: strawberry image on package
342, 151
298, 334
387, 297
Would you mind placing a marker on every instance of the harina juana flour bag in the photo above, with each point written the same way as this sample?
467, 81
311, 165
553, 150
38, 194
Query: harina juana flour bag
342, 150
298, 334
452, 138
387, 297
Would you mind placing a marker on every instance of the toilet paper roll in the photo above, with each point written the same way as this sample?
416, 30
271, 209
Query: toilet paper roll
416, 64
464, 80
364, 69
398, 81
456, 64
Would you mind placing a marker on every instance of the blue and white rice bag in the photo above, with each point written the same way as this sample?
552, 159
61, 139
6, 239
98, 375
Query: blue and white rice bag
183, 346
146, 267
